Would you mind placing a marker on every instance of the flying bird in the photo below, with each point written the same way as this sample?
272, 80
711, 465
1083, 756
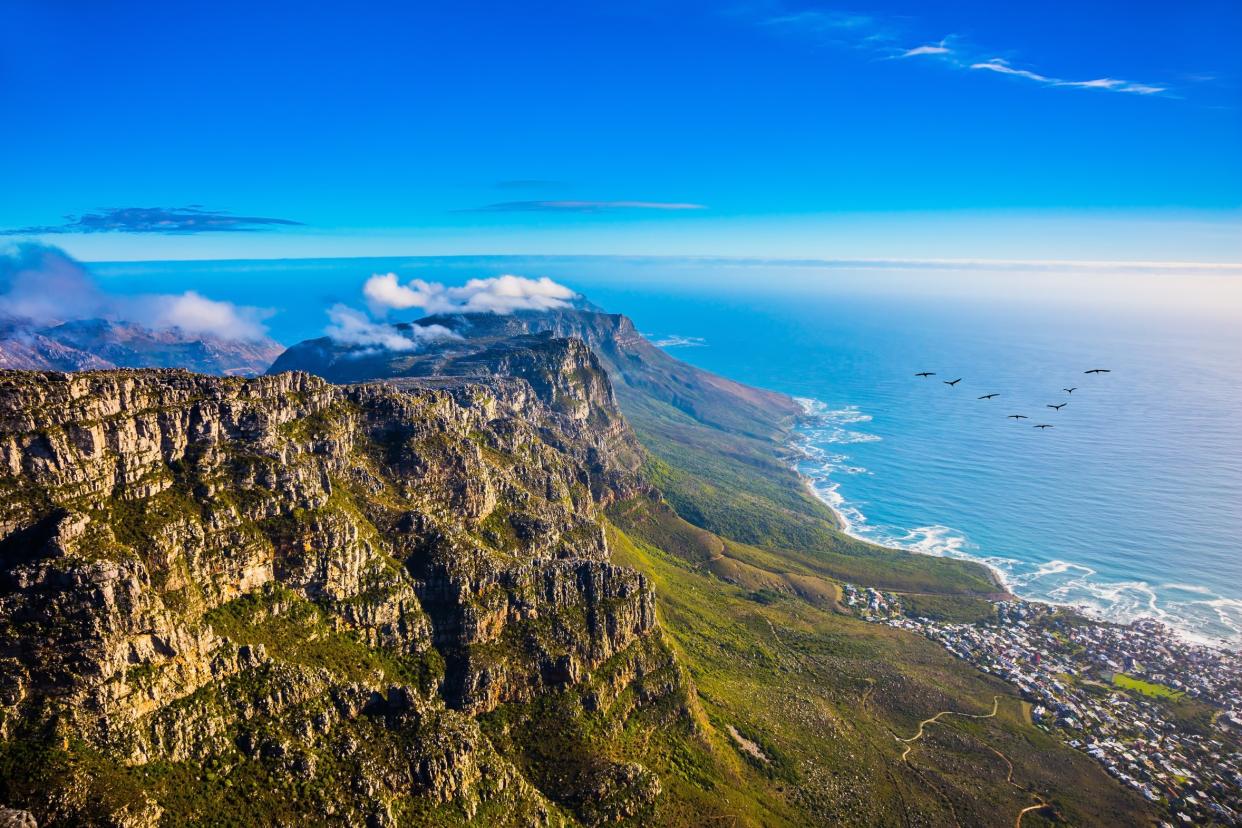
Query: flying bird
1043, 425
952, 382
1098, 371
1017, 417
926, 374
1058, 407
1070, 390
988, 396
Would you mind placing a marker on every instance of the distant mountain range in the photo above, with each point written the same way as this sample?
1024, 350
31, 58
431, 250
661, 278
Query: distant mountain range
96, 344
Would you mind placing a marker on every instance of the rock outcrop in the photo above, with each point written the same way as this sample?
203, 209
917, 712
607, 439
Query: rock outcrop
282, 581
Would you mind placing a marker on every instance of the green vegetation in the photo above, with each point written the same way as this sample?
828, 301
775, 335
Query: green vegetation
293, 630
826, 696
1147, 688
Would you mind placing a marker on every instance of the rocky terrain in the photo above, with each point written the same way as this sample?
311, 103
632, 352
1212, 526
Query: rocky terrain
211, 586
94, 344
457, 588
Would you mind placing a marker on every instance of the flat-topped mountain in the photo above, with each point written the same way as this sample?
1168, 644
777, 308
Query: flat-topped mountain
631, 360
93, 344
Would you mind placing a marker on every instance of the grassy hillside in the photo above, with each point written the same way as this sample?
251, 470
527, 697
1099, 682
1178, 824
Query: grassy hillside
814, 703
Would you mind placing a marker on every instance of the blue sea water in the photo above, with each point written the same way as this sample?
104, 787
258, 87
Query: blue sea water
1130, 506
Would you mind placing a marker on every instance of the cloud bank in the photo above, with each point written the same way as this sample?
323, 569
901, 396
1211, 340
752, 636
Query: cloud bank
42, 286
384, 292
170, 220
499, 294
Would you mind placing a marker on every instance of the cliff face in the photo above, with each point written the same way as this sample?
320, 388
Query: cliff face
279, 579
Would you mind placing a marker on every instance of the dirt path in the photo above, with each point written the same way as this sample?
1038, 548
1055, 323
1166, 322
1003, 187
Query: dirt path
1041, 804
1009, 776
1017, 823
934, 719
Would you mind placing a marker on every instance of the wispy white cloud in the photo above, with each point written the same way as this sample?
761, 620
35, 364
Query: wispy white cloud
932, 49
881, 37
821, 20
1002, 66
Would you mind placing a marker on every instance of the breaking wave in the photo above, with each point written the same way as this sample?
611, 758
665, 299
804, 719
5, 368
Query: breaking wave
1195, 612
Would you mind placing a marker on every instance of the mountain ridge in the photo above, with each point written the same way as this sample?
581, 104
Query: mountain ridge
99, 344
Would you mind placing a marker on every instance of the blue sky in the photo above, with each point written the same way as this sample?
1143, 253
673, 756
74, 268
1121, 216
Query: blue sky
1054, 130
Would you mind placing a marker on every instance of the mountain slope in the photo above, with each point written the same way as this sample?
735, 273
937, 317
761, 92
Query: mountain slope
278, 600
94, 344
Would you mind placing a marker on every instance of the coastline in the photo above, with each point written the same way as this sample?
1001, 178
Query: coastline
799, 444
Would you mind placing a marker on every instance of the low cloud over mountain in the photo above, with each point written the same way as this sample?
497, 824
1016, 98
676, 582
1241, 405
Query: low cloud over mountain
385, 292
499, 294
41, 285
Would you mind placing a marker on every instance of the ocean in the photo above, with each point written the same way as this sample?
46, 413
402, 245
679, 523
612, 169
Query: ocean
1130, 506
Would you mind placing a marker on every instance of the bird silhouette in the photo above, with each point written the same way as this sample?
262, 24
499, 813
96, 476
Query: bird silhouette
926, 374
1058, 407
1043, 425
1017, 417
988, 396
1098, 371
952, 382
1070, 390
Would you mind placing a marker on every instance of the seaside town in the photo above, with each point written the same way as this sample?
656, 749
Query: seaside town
1162, 715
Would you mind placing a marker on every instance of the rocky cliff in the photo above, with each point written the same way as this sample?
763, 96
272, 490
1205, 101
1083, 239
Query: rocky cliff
213, 588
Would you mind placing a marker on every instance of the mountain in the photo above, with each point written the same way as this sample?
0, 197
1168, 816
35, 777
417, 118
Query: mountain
314, 582
94, 344
480, 584
629, 358
720, 450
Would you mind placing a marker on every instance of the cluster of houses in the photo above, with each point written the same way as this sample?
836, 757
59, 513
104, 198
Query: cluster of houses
1162, 715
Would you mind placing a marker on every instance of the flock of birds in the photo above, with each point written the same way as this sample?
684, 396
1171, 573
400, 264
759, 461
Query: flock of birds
1054, 407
